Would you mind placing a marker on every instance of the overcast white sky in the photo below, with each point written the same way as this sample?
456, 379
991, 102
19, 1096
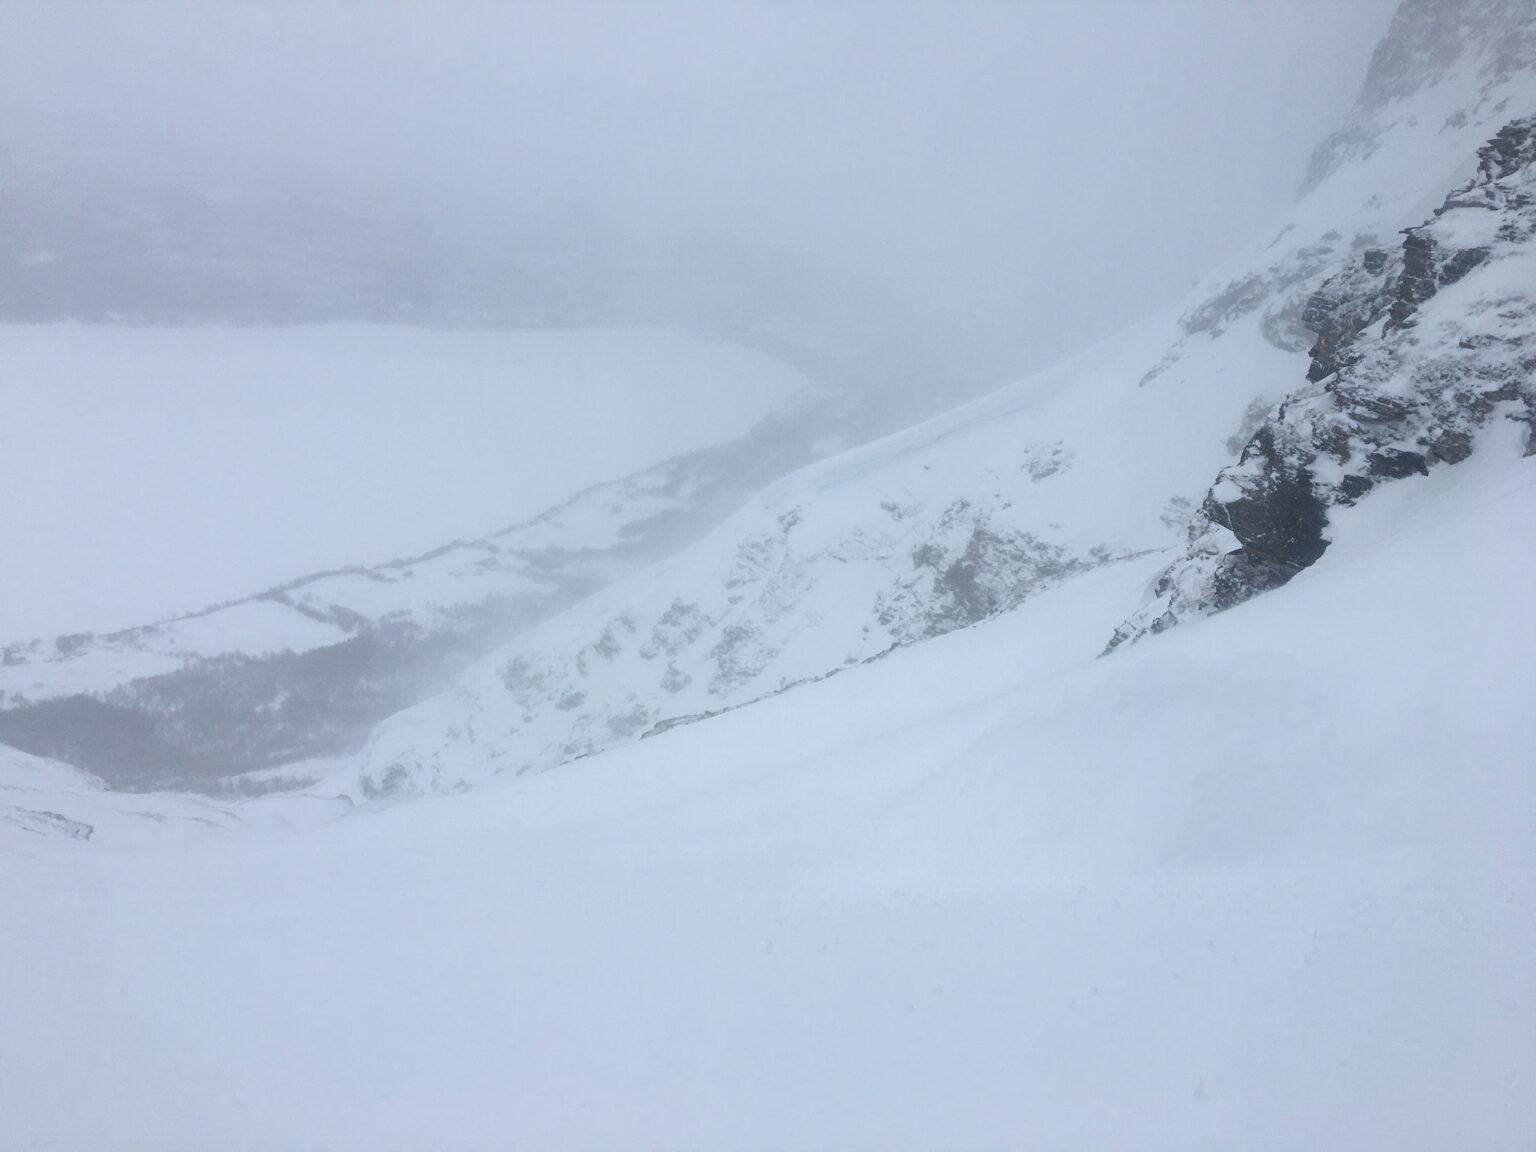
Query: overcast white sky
1057, 166
1022, 177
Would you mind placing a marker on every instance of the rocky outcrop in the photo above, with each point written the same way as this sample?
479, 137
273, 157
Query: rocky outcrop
1397, 386
1346, 304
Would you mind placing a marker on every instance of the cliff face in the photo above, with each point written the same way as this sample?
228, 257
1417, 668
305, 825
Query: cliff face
1418, 353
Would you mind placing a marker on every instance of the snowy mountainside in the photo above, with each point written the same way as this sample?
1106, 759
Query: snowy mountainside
913, 536
303, 668
1476, 46
989, 892
1266, 881
1411, 137
1420, 351
1096, 461
971, 513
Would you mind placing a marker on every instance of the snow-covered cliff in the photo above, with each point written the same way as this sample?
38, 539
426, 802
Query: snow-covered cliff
1420, 352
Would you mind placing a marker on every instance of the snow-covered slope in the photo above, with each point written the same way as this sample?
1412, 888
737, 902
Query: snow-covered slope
901, 540
1418, 352
1103, 458
46, 800
1266, 882
304, 667
1100, 459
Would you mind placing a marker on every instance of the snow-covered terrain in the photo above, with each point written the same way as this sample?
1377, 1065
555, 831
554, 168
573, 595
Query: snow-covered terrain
802, 806
1417, 351
363, 426
1105, 457
255, 455
1266, 882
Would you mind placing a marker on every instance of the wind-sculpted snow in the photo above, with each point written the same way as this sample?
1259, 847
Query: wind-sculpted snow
1414, 362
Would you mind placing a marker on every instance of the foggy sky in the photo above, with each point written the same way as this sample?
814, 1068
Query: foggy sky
1021, 177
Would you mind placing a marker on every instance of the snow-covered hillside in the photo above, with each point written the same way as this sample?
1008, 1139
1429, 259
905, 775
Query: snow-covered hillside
857, 837
1418, 351
369, 426
1268, 881
1106, 457
256, 455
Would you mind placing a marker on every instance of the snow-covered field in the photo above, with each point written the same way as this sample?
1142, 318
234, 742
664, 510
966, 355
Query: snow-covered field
154, 471
1266, 882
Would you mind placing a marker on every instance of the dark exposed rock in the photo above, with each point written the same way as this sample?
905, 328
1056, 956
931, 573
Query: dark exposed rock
1345, 304
1512, 148
1382, 403
1236, 299
1395, 464
1426, 269
1351, 488
1280, 515
1240, 576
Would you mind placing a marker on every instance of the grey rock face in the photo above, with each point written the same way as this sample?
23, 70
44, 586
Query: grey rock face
1394, 390
1346, 304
